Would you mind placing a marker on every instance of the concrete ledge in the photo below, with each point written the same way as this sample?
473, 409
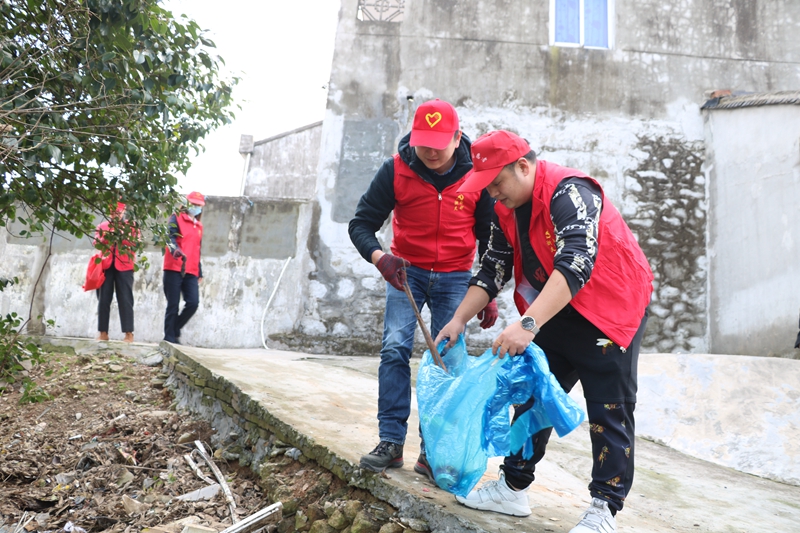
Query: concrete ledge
733, 410
326, 407
218, 399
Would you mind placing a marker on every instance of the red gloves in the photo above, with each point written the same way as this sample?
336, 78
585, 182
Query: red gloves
488, 315
393, 270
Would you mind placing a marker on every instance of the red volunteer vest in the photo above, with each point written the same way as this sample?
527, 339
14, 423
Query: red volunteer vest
122, 262
432, 230
619, 289
191, 236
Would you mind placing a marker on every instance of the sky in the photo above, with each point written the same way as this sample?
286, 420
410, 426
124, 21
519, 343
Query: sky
282, 51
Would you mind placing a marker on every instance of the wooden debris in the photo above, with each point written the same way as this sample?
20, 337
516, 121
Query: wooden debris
267, 515
196, 469
220, 478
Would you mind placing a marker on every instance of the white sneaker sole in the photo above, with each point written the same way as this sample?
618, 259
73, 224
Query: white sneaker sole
506, 508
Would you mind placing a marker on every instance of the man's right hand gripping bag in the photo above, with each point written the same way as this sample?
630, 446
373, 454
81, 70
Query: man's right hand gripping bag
464, 412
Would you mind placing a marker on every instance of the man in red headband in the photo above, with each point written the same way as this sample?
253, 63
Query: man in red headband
582, 286
435, 227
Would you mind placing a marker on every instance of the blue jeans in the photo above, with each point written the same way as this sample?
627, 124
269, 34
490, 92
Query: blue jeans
174, 286
442, 292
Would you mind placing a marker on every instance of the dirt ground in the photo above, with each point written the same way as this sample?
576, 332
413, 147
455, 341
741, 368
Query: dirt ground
106, 453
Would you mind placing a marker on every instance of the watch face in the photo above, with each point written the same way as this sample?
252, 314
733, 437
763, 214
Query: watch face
528, 323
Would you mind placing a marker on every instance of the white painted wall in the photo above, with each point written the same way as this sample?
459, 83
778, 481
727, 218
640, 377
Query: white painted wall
233, 293
754, 243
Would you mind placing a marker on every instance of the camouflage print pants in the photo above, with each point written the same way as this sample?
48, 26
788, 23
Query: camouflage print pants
577, 350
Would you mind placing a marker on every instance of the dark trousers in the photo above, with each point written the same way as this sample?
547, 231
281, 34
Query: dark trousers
174, 286
609, 378
797, 343
120, 282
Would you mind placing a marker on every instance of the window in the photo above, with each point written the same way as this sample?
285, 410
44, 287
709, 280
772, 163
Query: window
586, 23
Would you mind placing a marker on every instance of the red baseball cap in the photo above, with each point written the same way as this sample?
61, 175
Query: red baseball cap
196, 198
435, 123
490, 153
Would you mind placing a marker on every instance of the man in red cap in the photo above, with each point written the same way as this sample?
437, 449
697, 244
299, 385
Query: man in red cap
433, 248
182, 268
582, 286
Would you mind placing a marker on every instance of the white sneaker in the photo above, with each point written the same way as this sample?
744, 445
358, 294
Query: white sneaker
497, 496
596, 519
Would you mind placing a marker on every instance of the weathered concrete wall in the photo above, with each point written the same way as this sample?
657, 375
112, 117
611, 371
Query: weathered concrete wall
285, 166
754, 243
629, 116
244, 249
731, 410
739, 412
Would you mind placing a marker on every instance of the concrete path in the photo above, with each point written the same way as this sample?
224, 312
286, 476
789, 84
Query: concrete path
333, 400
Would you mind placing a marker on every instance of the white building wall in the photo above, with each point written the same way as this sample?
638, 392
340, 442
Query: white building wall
754, 241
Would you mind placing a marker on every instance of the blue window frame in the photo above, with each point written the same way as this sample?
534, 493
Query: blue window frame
584, 23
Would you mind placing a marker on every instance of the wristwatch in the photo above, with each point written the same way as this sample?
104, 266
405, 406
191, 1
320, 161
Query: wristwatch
529, 324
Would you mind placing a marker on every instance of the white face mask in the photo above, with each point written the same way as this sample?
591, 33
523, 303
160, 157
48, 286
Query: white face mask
194, 210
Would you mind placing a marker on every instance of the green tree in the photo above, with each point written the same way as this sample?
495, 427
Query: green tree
100, 101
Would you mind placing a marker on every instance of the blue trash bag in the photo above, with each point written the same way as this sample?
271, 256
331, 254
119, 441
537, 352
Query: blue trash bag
464, 412
553, 406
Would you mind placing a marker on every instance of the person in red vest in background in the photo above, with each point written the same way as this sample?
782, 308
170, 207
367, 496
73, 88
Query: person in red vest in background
182, 269
118, 269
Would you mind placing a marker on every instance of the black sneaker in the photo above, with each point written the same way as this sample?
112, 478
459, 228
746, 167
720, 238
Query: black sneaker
422, 467
385, 455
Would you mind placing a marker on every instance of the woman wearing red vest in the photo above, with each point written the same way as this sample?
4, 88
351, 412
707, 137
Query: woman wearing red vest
118, 269
182, 269
582, 287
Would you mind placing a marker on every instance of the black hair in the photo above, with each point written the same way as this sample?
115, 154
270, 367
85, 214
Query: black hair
530, 156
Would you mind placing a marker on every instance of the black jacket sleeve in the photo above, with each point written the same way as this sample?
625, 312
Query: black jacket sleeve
497, 264
373, 209
484, 211
174, 231
575, 211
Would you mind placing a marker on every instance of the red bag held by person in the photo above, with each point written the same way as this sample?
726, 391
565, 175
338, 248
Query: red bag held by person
95, 275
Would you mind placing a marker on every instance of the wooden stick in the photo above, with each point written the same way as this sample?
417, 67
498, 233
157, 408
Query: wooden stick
220, 478
196, 469
257, 520
431, 346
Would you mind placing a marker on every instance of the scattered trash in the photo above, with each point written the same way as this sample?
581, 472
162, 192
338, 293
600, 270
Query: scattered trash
267, 515
197, 528
225, 489
133, 507
187, 437
65, 479
294, 453
206, 493
69, 527
196, 469
125, 477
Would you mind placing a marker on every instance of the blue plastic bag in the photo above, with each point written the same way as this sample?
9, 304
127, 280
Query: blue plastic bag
464, 412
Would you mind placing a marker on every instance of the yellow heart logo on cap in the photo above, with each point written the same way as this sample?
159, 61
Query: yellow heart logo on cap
433, 118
